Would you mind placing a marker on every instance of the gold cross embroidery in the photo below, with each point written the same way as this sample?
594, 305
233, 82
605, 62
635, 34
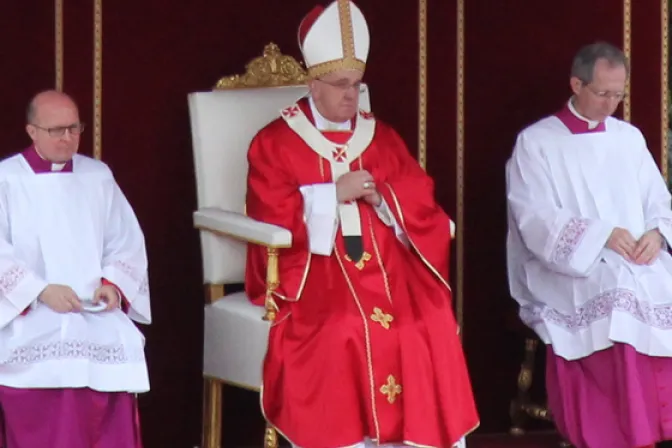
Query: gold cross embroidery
382, 318
360, 264
391, 389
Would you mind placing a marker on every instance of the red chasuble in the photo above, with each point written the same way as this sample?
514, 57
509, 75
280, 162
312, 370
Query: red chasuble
368, 350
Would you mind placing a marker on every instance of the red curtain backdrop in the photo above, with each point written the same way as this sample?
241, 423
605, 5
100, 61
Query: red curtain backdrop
517, 63
78, 62
646, 88
27, 52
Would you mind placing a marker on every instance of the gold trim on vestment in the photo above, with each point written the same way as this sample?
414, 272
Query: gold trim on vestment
321, 161
301, 286
422, 257
263, 412
386, 280
367, 342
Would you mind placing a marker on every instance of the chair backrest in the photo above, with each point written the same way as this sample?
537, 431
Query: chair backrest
223, 123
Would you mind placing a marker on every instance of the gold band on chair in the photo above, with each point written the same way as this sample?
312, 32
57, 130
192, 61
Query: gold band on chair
271, 284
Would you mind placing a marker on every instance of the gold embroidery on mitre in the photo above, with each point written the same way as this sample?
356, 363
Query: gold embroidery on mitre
391, 389
347, 34
382, 318
349, 60
362, 261
323, 68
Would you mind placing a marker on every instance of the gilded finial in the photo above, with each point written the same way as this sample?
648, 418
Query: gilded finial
272, 69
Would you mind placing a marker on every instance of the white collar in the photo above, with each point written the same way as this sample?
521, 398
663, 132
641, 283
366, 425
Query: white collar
323, 124
54, 166
592, 124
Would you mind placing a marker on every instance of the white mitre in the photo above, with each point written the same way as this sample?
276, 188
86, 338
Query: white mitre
334, 38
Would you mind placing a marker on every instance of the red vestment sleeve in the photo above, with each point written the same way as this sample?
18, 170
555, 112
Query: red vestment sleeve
409, 193
124, 302
273, 197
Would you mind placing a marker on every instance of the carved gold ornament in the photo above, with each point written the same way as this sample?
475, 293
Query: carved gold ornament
272, 69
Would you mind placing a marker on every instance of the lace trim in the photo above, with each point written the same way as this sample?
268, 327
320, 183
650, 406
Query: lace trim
600, 307
10, 279
569, 239
132, 273
75, 349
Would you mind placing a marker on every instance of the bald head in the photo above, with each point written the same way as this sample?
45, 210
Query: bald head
53, 125
48, 98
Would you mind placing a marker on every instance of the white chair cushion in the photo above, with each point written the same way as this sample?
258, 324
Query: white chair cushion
235, 340
242, 227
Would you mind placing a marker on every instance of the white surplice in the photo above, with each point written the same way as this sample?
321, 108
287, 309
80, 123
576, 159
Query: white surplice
566, 193
71, 229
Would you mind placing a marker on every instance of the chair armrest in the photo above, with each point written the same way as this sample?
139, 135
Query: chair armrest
241, 227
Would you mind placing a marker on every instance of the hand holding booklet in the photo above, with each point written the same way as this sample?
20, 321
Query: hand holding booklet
90, 306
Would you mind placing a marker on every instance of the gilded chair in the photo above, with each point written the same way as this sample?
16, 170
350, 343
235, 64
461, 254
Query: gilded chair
223, 123
523, 407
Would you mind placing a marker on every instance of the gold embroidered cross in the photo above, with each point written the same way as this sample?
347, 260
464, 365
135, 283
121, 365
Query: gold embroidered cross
360, 264
382, 318
391, 389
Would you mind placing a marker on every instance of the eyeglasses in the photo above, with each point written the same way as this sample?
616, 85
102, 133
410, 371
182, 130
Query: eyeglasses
603, 94
345, 86
74, 129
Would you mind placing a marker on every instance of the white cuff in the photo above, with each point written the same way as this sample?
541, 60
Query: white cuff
385, 215
383, 212
320, 214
